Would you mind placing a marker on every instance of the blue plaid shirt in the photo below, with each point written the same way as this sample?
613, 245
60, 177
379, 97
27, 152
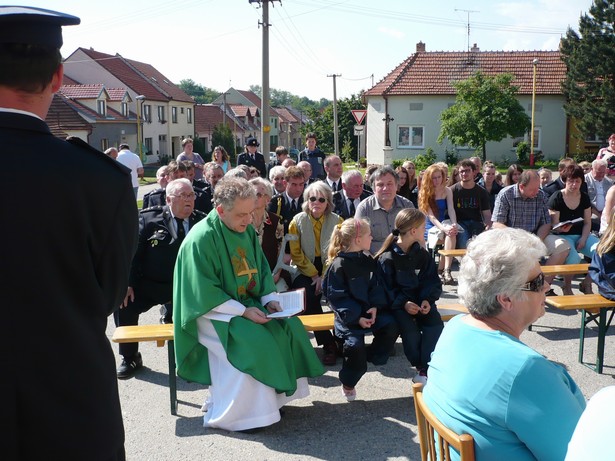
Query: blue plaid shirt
513, 210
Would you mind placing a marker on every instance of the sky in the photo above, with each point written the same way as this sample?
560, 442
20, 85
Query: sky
218, 43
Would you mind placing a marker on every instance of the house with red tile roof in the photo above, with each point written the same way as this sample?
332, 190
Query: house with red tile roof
289, 128
208, 116
165, 112
412, 96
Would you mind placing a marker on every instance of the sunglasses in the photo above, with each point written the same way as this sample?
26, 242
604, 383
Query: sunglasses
320, 199
536, 284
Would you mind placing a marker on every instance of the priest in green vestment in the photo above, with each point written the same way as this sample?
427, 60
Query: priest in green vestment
223, 289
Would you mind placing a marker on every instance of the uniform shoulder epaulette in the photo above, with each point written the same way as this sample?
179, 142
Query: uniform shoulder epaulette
78, 142
200, 214
152, 209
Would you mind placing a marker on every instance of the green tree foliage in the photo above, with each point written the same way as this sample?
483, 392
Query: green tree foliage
223, 136
280, 98
589, 55
200, 93
321, 123
486, 109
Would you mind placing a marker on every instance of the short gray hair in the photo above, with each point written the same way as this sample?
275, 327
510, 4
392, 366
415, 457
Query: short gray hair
276, 170
351, 174
599, 162
230, 189
383, 171
175, 185
262, 182
318, 188
236, 173
497, 262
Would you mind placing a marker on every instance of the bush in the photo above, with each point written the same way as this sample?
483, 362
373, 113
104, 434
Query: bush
451, 157
362, 162
523, 152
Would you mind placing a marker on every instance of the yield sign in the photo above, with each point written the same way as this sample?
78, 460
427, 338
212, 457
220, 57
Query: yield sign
359, 115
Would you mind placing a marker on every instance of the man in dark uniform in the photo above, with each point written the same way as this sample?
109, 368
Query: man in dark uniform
202, 189
157, 196
347, 200
161, 232
288, 204
252, 158
60, 393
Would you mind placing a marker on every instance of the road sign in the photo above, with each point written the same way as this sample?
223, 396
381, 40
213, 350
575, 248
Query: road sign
359, 115
359, 130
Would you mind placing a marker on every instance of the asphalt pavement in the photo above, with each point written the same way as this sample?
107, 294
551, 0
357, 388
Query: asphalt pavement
379, 425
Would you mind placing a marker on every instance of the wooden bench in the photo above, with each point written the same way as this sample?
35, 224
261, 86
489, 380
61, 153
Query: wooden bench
565, 269
588, 304
458, 252
162, 334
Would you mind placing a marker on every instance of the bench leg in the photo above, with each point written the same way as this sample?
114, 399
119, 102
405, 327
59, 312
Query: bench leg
172, 377
582, 335
601, 334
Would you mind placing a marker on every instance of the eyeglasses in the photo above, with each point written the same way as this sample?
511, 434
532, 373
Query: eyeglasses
536, 284
320, 199
465, 171
190, 196
259, 195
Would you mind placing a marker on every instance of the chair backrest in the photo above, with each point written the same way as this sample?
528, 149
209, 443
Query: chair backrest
432, 433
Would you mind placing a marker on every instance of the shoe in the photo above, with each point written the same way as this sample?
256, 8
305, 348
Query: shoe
128, 368
350, 394
329, 357
441, 275
585, 287
420, 377
447, 278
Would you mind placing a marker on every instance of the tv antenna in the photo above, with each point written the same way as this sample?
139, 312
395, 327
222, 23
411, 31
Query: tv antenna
468, 13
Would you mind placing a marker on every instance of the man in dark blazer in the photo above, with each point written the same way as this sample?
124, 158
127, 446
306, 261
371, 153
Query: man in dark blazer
161, 232
66, 265
287, 204
346, 201
252, 158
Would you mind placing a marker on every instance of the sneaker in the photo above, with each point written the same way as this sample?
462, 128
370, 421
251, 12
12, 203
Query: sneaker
420, 377
350, 394
128, 368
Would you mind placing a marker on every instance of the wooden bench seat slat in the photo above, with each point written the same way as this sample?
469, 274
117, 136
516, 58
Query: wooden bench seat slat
565, 269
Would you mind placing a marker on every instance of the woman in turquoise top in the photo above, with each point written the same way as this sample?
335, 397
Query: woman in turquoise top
483, 380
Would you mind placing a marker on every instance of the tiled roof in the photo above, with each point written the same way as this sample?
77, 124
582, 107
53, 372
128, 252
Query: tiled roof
285, 115
206, 116
66, 80
82, 91
254, 99
123, 71
62, 116
175, 92
243, 111
434, 72
116, 94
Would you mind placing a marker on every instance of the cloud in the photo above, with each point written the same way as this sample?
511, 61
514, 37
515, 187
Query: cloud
397, 34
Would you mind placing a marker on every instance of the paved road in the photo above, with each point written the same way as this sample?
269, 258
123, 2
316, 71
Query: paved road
379, 425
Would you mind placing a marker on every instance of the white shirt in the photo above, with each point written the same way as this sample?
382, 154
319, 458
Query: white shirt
132, 161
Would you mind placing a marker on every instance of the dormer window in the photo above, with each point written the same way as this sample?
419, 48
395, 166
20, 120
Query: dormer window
125, 109
101, 107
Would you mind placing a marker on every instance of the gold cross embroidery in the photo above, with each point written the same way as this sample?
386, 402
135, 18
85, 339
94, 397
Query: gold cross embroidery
246, 269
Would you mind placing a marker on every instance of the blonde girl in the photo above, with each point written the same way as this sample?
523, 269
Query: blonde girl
353, 293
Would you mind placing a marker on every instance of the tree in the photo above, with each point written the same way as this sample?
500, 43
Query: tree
485, 109
223, 136
200, 93
589, 86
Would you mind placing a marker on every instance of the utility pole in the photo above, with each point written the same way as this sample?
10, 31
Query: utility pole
265, 127
335, 128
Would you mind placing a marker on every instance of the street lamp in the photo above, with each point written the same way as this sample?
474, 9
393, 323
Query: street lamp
140, 100
535, 65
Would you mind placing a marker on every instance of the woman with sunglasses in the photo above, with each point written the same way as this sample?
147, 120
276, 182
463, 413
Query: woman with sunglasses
483, 380
314, 227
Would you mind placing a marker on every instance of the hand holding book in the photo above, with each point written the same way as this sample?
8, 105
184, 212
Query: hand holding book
565, 223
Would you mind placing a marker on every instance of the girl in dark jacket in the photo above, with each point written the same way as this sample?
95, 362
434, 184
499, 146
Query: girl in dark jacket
602, 267
411, 282
352, 291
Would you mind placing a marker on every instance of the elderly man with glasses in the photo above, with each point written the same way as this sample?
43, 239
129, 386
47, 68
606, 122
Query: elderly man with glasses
161, 232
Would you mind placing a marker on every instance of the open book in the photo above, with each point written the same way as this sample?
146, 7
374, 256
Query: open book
564, 223
292, 302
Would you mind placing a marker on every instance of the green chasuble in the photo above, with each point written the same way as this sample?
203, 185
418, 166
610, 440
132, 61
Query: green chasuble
214, 265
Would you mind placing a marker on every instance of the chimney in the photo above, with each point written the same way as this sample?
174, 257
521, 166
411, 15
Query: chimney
475, 49
420, 47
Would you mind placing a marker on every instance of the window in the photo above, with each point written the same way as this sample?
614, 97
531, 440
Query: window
174, 114
594, 138
182, 110
161, 114
275, 122
189, 115
537, 108
125, 109
148, 145
104, 144
147, 113
101, 107
410, 137
537, 138
416, 106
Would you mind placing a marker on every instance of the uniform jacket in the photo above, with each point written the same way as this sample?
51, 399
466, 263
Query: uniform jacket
67, 270
602, 272
204, 199
411, 276
352, 288
340, 204
316, 159
280, 205
258, 162
157, 197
